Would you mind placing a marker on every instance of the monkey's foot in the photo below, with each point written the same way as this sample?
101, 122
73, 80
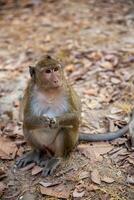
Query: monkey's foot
50, 166
31, 157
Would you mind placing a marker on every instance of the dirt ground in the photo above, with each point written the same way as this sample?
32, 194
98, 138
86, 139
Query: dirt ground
95, 41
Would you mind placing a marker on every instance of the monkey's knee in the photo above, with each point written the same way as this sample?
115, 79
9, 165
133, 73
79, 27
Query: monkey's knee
64, 144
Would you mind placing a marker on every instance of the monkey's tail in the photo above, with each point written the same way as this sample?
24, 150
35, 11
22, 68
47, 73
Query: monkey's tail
104, 136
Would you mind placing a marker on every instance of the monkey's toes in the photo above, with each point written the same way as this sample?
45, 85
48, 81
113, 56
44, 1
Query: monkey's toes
46, 172
23, 161
50, 167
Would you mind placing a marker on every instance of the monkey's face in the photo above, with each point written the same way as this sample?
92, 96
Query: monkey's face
47, 73
50, 77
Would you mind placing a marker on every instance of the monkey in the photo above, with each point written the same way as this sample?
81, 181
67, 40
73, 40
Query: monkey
51, 115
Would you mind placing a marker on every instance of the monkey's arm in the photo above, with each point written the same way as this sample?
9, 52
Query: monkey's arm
67, 119
36, 122
104, 137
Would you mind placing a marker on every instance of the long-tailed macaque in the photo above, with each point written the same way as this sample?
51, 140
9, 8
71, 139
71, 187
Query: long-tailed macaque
51, 112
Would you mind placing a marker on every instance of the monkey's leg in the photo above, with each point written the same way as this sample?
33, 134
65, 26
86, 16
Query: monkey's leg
64, 143
31, 157
52, 163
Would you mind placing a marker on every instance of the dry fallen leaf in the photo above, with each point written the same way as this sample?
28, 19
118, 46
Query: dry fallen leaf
8, 148
83, 175
96, 55
49, 184
131, 160
36, 170
95, 151
92, 187
91, 91
107, 179
115, 80
106, 64
2, 173
2, 188
59, 191
77, 194
28, 167
95, 177
112, 58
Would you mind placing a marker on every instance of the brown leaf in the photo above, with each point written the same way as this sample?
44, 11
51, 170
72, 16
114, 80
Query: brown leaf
2, 188
96, 55
83, 175
95, 177
131, 160
95, 151
77, 194
2, 173
119, 141
8, 148
36, 170
28, 167
112, 58
92, 187
115, 80
106, 64
91, 91
107, 179
49, 184
60, 191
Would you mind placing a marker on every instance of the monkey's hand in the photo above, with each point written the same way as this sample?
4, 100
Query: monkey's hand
50, 122
54, 123
46, 121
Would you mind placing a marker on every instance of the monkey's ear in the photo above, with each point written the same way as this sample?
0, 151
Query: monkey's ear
32, 71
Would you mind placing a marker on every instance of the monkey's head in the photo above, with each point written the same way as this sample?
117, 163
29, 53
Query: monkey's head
47, 73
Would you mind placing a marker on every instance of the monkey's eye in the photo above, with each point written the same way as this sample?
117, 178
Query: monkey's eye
56, 69
48, 71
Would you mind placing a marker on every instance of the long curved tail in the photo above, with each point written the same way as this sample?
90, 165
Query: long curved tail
104, 136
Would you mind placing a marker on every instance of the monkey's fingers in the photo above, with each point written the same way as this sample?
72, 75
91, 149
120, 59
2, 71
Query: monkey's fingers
53, 123
51, 166
46, 120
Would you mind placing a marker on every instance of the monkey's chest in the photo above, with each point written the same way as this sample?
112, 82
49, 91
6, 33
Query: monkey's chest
56, 107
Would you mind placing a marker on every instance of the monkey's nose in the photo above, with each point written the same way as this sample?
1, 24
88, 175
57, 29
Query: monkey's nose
56, 81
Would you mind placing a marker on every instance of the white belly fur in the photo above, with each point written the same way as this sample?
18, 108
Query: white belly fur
41, 107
